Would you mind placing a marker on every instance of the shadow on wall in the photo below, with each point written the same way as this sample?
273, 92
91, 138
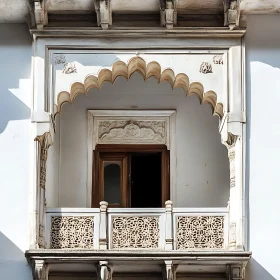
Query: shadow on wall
262, 152
255, 271
15, 57
12, 261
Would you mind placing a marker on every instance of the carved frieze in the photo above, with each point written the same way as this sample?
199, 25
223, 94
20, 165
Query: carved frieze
131, 130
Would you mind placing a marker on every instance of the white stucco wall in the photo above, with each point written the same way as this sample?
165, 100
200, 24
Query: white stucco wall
263, 150
15, 143
202, 162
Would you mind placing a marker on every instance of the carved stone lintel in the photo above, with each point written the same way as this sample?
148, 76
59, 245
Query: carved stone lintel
232, 13
205, 68
103, 12
169, 270
127, 131
104, 271
40, 270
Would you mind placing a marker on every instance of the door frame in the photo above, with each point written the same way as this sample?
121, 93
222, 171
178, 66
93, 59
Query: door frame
169, 115
126, 149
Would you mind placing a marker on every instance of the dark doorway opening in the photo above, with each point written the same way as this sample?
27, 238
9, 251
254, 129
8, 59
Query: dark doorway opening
146, 176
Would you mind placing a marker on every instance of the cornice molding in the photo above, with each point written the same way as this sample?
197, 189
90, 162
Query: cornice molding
222, 32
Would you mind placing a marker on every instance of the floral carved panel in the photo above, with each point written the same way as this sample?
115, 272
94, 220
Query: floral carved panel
132, 131
135, 232
72, 232
200, 232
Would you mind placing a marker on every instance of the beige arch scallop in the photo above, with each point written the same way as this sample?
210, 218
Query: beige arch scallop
152, 69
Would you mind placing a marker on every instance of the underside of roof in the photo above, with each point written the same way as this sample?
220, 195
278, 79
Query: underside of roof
110, 14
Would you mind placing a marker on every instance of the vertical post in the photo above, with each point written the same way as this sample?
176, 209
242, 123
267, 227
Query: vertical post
235, 204
44, 142
103, 239
168, 226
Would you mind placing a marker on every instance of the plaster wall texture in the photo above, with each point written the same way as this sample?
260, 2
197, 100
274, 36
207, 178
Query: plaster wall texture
263, 152
15, 149
202, 164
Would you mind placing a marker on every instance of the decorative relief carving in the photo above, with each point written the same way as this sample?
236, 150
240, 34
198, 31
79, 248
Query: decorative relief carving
69, 68
45, 142
200, 232
72, 232
205, 68
218, 59
135, 232
40, 270
132, 131
231, 156
41, 240
59, 59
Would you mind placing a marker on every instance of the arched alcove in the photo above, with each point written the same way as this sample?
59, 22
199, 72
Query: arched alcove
202, 166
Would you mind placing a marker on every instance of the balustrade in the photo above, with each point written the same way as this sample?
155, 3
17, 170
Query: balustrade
137, 228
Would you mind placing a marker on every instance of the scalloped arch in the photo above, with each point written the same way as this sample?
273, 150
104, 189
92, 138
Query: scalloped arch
152, 69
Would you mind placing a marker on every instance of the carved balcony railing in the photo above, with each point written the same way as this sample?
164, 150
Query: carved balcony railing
131, 228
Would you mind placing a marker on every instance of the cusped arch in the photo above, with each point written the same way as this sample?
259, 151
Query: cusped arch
152, 69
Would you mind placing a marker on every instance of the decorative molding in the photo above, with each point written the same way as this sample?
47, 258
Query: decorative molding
69, 68
200, 232
232, 235
205, 68
218, 59
59, 59
72, 232
152, 69
135, 232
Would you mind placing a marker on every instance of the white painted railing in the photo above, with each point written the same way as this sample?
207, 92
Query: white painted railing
137, 228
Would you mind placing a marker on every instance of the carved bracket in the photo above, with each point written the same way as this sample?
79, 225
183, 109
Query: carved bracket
168, 13
169, 270
232, 13
104, 271
236, 272
40, 270
103, 12
41, 14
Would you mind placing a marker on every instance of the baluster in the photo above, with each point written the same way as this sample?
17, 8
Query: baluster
168, 226
103, 239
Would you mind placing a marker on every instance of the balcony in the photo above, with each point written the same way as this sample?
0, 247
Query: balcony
137, 229
167, 241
